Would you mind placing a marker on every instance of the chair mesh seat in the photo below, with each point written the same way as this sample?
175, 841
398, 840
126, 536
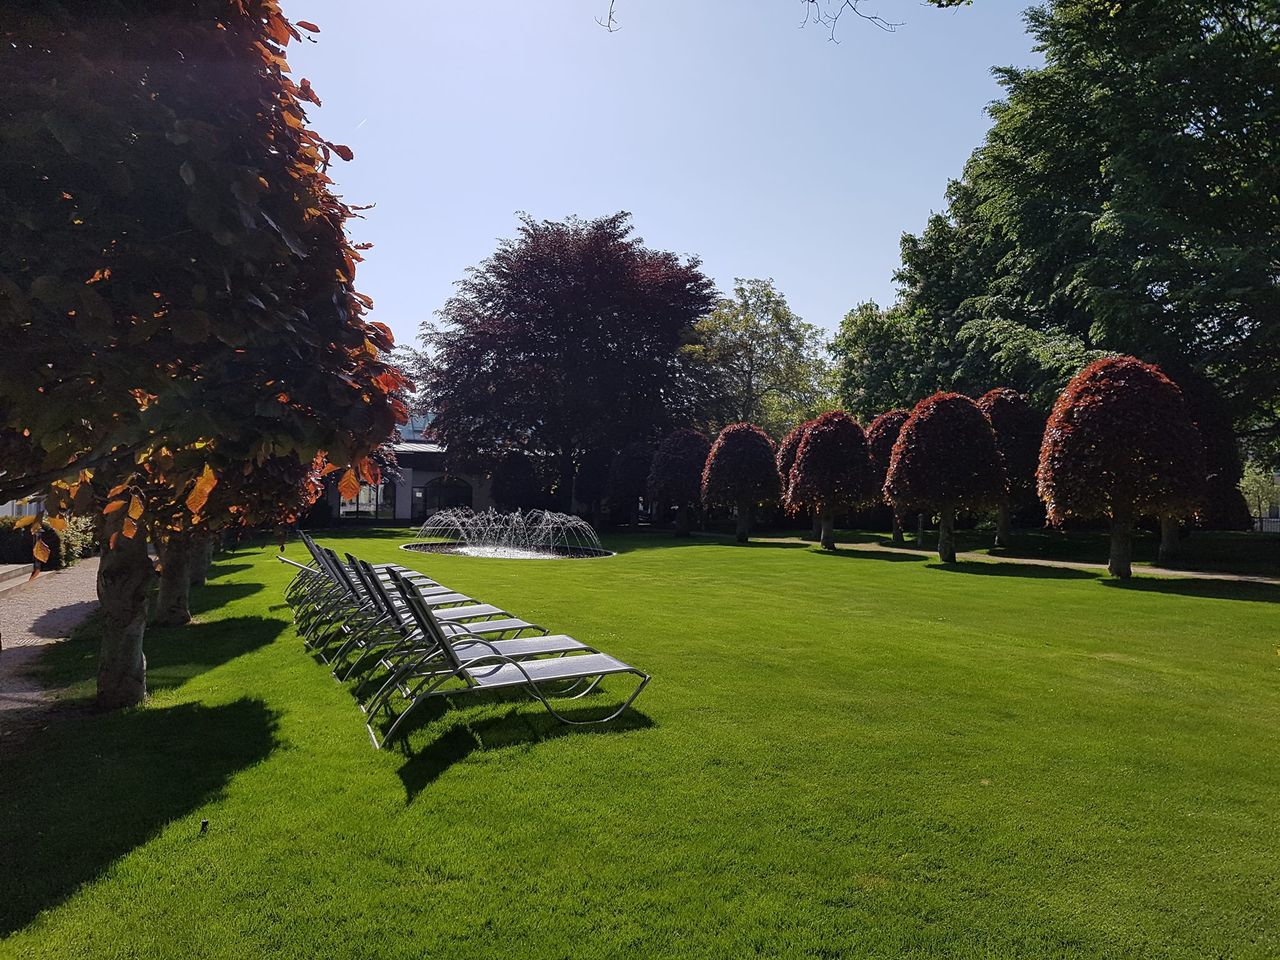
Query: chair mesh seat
541, 671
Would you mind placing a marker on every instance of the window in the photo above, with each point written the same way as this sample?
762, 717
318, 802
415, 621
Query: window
377, 502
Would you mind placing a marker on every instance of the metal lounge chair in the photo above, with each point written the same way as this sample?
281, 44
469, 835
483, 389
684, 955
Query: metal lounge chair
478, 666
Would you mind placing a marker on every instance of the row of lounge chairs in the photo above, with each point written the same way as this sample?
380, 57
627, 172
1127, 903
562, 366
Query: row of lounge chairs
410, 639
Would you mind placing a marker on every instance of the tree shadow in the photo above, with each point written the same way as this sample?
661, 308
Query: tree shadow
92, 789
518, 726
176, 654
60, 621
218, 570
1247, 590
215, 595
1031, 571
892, 556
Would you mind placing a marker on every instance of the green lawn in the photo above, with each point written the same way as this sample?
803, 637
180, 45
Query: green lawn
848, 755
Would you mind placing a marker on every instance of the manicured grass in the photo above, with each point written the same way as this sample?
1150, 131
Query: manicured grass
849, 755
1203, 550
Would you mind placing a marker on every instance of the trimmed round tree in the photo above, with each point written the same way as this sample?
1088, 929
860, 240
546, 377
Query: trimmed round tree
786, 458
832, 469
1120, 443
741, 472
881, 436
675, 476
629, 479
1019, 432
945, 459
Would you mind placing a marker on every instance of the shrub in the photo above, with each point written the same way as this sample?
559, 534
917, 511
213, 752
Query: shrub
1019, 431
1120, 443
629, 477
65, 548
832, 469
675, 477
741, 472
945, 459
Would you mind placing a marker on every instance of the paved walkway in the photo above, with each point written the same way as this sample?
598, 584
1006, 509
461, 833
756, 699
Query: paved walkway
33, 615
1138, 569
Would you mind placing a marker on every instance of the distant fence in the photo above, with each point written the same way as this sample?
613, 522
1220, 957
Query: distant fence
1267, 524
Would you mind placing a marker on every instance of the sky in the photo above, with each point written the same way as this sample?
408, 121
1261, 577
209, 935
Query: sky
728, 131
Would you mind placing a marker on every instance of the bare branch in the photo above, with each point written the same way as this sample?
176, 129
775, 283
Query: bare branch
610, 23
828, 13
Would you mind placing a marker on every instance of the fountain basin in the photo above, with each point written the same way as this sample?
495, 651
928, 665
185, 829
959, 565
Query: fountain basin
519, 535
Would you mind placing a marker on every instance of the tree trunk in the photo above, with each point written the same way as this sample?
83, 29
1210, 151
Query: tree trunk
827, 533
947, 535
1120, 564
173, 605
919, 530
898, 537
682, 520
124, 576
742, 527
817, 526
201, 558
1002, 524
1170, 543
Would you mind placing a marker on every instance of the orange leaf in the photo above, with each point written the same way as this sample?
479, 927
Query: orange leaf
40, 550
343, 151
307, 25
135, 507
117, 490
199, 494
130, 528
26, 521
113, 506
329, 468
58, 523
349, 485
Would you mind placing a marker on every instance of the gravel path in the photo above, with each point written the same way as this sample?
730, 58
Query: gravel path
33, 615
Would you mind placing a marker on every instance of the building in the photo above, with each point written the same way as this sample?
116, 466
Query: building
425, 486
19, 508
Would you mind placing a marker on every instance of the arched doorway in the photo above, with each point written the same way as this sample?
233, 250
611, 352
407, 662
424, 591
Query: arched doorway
441, 493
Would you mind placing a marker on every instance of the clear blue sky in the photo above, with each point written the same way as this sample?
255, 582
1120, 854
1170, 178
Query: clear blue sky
727, 131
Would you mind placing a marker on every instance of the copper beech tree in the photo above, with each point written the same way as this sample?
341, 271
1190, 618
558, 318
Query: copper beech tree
945, 459
629, 479
786, 458
675, 476
881, 436
832, 470
176, 286
1019, 431
741, 472
1120, 443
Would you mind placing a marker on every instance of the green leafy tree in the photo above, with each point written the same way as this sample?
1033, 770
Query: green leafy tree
762, 364
1258, 485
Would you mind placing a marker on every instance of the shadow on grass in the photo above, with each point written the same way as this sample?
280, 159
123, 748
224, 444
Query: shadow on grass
174, 654
475, 730
215, 595
219, 570
1032, 571
1200, 587
84, 794
893, 556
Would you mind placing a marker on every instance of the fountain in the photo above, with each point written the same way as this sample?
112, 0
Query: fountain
521, 535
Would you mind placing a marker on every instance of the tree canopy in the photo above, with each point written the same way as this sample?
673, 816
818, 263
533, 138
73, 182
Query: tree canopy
566, 339
741, 472
832, 470
760, 362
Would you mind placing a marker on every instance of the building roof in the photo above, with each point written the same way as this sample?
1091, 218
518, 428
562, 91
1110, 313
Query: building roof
416, 446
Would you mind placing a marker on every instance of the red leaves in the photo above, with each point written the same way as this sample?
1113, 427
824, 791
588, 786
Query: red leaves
306, 25
675, 476
1019, 431
1120, 441
349, 485
741, 468
343, 151
881, 436
945, 456
832, 467
199, 494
